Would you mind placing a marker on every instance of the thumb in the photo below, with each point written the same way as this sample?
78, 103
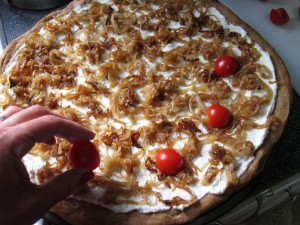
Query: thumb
63, 185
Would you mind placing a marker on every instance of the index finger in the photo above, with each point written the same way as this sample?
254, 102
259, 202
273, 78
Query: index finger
23, 136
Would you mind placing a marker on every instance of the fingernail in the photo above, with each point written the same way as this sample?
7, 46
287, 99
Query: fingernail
86, 177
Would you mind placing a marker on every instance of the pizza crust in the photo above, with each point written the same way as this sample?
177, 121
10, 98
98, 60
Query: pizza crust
82, 213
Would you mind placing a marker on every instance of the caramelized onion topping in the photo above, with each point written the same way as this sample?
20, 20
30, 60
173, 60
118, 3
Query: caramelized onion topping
148, 64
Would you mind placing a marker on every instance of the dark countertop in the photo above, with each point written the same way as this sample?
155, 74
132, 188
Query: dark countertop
18, 21
286, 159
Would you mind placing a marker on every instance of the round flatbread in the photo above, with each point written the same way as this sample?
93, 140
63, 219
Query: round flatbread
141, 75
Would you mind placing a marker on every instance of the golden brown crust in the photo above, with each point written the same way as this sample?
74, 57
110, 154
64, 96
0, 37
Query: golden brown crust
82, 213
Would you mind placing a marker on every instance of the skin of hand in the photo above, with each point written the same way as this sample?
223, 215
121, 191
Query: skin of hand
22, 202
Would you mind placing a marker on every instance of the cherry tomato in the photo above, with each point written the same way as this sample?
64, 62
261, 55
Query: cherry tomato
279, 16
169, 161
299, 11
218, 116
226, 66
84, 154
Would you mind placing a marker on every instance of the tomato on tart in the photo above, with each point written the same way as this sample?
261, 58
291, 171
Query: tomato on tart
182, 96
218, 116
169, 161
226, 66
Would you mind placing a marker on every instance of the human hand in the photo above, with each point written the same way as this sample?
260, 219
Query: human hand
22, 202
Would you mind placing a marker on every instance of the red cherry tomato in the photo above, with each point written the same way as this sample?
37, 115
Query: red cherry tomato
226, 66
218, 116
84, 154
169, 161
279, 16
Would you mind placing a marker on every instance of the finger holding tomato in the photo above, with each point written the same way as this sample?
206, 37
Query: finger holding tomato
84, 154
19, 132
